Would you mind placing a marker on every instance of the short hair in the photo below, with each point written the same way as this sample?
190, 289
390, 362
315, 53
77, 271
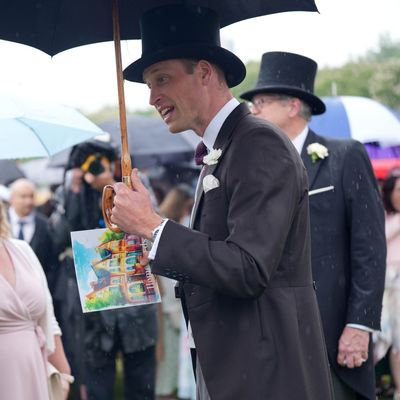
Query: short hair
190, 64
305, 111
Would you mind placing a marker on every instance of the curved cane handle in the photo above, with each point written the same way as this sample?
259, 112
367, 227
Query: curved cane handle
107, 205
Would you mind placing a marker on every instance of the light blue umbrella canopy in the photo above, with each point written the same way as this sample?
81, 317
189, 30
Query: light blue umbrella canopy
31, 128
358, 118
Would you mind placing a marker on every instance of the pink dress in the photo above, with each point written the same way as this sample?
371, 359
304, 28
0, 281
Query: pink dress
22, 344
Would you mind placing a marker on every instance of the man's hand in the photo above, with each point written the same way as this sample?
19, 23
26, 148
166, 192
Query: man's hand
132, 210
353, 347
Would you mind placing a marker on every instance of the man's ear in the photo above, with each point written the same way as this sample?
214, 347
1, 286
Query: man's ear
206, 70
295, 107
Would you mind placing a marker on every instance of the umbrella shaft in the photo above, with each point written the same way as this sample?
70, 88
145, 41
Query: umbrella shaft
126, 166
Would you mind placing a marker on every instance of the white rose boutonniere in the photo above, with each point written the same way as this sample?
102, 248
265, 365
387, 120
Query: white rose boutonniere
212, 157
317, 152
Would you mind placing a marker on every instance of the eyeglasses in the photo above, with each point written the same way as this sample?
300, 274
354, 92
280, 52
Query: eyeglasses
260, 101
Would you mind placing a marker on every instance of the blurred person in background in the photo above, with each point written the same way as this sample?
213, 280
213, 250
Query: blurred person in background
96, 339
389, 337
31, 225
29, 332
176, 206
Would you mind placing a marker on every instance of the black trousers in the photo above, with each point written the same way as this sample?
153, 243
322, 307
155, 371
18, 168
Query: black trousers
139, 376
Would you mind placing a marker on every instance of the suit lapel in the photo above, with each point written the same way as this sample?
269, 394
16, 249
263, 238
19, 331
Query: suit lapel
222, 142
311, 167
206, 170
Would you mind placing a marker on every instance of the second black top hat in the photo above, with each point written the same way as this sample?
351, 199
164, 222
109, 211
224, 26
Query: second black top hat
288, 73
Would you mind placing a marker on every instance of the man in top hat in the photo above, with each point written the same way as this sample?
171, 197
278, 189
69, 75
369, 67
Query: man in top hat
244, 265
347, 221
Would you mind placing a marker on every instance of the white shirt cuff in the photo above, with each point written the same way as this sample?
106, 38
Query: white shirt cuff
361, 327
153, 251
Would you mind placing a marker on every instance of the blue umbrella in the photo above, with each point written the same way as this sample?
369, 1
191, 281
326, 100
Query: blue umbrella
29, 128
359, 118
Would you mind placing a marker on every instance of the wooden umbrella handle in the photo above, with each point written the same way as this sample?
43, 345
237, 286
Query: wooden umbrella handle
126, 165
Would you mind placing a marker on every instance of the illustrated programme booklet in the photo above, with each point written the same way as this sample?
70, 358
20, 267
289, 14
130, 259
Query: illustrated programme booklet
108, 271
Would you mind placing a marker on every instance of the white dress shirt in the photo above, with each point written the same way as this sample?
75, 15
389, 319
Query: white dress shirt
28, 227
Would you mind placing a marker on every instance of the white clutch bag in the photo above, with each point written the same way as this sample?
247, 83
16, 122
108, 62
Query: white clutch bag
55, 382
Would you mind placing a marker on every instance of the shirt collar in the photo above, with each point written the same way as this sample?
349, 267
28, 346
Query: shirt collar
299, 140
15, 219
213, 128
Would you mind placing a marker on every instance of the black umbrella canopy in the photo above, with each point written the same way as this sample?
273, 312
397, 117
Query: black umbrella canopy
9, 172
57, 25
150, 142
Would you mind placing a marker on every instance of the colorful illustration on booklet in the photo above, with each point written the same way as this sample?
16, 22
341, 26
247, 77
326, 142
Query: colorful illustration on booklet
108, 270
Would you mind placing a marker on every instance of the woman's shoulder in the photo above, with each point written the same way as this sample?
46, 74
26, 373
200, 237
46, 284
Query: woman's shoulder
23, 247
21, 244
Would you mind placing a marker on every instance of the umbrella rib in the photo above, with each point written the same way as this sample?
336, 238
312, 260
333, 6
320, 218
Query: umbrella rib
37, 136
53, 51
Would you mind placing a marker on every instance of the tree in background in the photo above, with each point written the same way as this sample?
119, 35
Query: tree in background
375, 75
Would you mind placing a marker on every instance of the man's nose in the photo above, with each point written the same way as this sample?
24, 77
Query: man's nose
154, 96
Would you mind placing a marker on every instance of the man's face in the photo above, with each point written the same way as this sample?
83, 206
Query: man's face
22, 199
175, 93
272, 108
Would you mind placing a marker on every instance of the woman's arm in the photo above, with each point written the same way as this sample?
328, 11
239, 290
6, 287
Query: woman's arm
60, 362
58, 358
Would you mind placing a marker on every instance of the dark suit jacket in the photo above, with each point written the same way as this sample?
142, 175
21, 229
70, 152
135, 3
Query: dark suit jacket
41, 242
348, 248
246, 272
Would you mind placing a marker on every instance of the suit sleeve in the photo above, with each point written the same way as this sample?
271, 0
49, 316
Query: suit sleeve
262, 192
368, 245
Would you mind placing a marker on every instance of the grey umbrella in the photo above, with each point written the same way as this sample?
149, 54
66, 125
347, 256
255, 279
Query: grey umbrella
9, 172
150, 142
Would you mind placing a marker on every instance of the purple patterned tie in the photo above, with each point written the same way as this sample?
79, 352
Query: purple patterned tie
201, 151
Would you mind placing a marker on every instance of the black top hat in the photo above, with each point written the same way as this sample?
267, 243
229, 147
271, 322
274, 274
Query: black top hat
179, 31
288, 73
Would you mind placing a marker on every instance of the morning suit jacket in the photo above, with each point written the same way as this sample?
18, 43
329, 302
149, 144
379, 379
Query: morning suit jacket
245, 271
348, 248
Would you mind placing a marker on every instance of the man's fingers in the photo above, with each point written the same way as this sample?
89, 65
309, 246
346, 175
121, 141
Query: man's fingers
120, 187
341, 358
136, 182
